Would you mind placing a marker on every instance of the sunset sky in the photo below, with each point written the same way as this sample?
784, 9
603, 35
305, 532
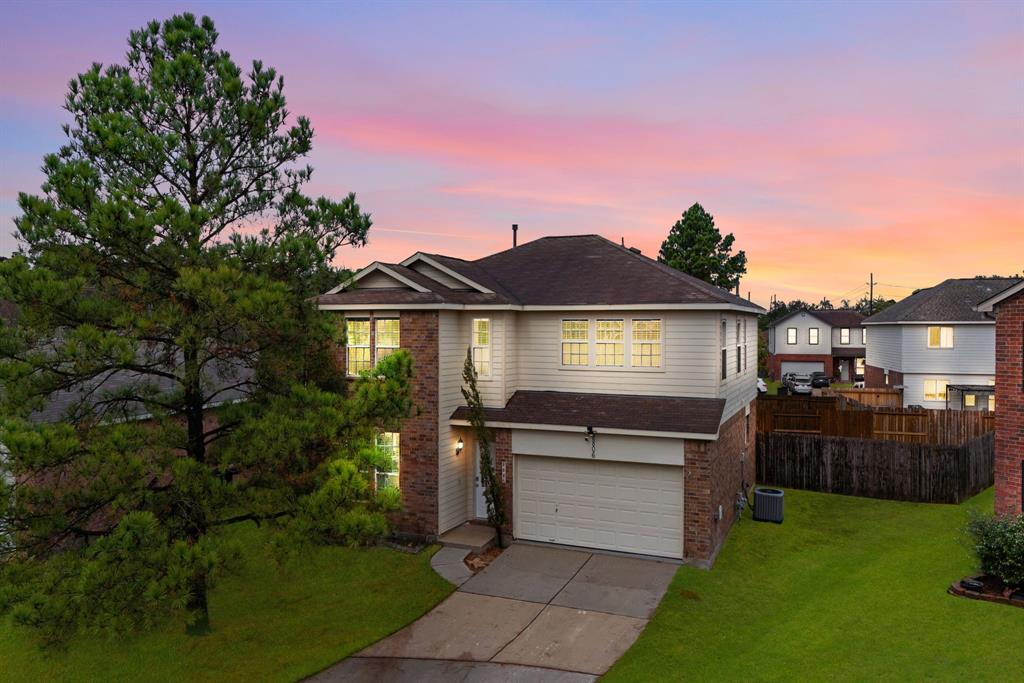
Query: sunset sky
833, 140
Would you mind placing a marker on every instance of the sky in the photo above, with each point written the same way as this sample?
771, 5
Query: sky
834, 140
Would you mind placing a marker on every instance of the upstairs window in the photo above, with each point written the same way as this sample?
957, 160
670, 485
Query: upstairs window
388, 444
357, 346
611, 343
844, 335
813, 336
387, 339
739, 349
935, 389
646, 344
725, 360
745, 349
481, 344
863, 336
575, 338
791, 335
940, 337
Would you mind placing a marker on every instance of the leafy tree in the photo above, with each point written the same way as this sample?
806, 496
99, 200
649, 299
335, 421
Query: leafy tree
695, 246
485, 440
166, 268
864, 305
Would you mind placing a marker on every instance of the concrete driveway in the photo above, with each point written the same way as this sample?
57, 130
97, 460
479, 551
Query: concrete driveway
535, 614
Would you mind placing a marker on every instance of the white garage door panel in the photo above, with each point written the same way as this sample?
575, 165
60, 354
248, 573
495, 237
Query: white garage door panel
617, 506
802, 367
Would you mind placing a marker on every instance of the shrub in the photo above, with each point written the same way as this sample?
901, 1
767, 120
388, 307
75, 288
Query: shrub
999, 545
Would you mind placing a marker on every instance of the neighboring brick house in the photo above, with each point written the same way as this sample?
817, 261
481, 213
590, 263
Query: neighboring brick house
808, 341
621, 392
936, 348
1007, 307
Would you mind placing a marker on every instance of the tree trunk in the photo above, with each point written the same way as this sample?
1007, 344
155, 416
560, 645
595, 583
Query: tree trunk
199, 611
196, 442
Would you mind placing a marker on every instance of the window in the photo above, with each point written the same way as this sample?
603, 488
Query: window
387, 337
863, 336
935, 389
357, 351
969, 400
791, 335
481, 344
575, 338
387, 443
940, 337
611, 343
739, 359
844, 335
646, 344
813, 335
744, 343
886, 378
725, 361
859, 365
992, 402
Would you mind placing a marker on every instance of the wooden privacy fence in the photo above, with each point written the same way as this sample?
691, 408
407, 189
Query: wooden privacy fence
919, 472
885, 398
839, 416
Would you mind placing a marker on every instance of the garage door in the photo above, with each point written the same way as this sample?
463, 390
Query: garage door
598, 504
802, 367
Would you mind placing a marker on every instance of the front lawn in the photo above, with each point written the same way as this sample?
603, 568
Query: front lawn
847, 588
268, 624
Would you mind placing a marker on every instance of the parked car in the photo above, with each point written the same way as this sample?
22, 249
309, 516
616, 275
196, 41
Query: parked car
762, 388
819, 380
799, 384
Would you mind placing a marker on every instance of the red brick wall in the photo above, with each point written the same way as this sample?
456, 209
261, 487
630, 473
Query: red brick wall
874, 378
503, 469
775, 362
714, 472
1009, 405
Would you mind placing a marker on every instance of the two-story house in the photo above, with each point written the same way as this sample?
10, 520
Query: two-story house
936, 347
621, 392
832, 342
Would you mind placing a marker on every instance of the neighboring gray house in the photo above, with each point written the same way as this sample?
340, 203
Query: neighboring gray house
936, 348
830, 341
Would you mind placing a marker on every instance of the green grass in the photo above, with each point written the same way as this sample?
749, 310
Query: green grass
846, 589
269, 624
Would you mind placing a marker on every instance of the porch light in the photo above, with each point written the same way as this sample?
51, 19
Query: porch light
459, 445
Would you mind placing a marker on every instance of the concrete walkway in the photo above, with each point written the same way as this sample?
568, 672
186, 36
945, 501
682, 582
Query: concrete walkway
534, 614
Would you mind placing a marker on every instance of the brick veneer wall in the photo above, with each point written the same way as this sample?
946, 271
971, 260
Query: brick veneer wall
1009, 405
776, 360
503, 463
713, 473
874, 377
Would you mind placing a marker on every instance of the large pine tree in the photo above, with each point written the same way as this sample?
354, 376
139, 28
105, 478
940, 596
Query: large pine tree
695, 246
164, 273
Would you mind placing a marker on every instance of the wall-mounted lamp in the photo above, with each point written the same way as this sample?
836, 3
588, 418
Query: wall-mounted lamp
459, 445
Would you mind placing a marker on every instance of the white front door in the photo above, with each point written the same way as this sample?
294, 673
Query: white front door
480, 504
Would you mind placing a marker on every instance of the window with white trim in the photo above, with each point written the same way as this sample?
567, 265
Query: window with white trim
745, 346
611, 343
940, 337
935, 389
992, 403
481, 343
388, 444
863, 336
739, 349
357, 346
844, 335
813, 336
970, 400
575, 342
386, 337
725, 360
791, 335
646, 351
859, 366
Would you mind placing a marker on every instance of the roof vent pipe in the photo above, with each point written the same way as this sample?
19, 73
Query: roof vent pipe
515, 229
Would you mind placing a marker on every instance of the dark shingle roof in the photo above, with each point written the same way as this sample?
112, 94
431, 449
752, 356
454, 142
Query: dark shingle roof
840, 317
611, 411
560, 271
950, 301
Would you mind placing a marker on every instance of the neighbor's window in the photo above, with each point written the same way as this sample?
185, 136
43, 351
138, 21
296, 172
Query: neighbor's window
791, 335
859, 364
844, 335
935, 389
611, 343
387, 340
387, 442
992, 402
646, 344
482, 346
940, 337
357, 346
969, 400
575, 335
863, 336
813, 335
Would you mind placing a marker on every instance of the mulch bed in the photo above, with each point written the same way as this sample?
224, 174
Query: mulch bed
477, 562
990, 590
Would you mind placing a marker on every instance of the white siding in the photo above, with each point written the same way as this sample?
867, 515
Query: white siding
511, 353
803, 322
438, 275
913, 388
884, 349
738, 389
378, 280
455, 473
973, 352
855, 337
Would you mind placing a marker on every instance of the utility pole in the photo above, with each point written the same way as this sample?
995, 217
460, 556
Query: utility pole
871, 294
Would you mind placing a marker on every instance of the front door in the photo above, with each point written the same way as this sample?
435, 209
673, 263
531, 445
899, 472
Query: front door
480, 502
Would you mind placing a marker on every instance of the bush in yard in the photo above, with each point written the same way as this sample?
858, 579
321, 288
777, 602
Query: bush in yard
999, 545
